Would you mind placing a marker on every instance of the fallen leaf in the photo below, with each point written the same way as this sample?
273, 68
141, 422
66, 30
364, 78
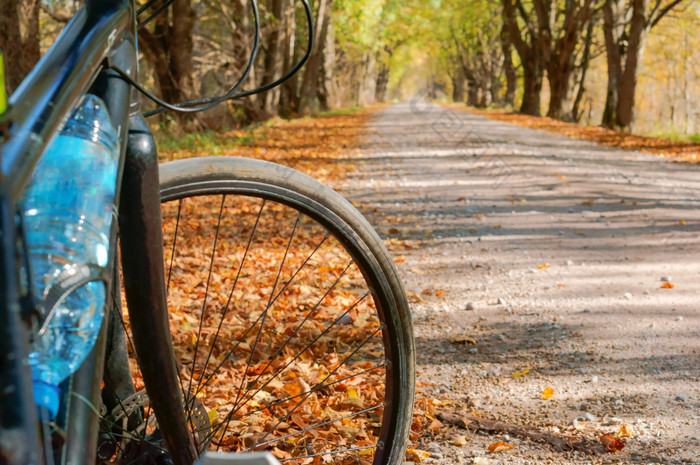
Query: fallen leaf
681, 222
439, 293
435, 425
460, 441
626, 431
544, 265
415, 271
547, 393
463, 340
421, 455
482, 461
561, 285
498, 226
393, 231
499, 446
611, 443
519, 374
580, 233
667, 285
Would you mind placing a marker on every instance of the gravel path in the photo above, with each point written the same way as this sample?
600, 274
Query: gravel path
525, 250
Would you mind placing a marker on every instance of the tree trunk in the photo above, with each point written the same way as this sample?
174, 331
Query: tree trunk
327, 89
273, 58
168, 46
532, 87
637, 36
576, 113
309, 85
19, 39
288, 89
624, 43
458, 82
508, 69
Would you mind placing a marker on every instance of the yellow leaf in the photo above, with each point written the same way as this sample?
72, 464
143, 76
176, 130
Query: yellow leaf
212, 414
419, 454
352, 393
626, 431
544, 265
547, 393
463, 340
499, 446
519, 374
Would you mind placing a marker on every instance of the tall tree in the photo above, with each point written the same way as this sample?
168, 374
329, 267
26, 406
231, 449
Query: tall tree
167, 44
19, 39
626, 24
546, 34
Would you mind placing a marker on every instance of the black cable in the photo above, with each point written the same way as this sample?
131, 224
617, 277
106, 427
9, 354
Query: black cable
177, 107
193, 106
165, 5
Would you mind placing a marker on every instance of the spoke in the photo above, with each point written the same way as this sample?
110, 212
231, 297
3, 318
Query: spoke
262, 323
298, 404
204, 303
173, 249
131, 345
315, 307
297, 356
230, 352
332, 452
318, 387
230, 297
334, 420
206, 291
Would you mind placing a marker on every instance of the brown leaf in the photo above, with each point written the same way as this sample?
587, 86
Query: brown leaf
462, 340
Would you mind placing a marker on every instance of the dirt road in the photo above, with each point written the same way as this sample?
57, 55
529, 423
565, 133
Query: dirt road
536, 261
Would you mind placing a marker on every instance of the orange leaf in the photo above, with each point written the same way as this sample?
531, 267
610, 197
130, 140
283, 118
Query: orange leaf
547, 393
667, 285
544, 265
393, 231
499, 446
611, 443
439, 293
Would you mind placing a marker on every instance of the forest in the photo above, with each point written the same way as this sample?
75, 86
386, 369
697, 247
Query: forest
630, 65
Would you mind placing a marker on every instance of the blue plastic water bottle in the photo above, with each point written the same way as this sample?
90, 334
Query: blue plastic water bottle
68, 214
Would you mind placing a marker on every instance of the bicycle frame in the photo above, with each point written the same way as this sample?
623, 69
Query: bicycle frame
101, 34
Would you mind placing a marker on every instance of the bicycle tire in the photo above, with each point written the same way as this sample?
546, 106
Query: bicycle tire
289, 196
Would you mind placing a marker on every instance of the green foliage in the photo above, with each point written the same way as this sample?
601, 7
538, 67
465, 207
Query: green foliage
211, 142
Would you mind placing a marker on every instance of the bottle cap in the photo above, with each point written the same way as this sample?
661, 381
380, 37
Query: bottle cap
46, 395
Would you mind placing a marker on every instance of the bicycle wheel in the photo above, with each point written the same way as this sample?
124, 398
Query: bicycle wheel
291, 329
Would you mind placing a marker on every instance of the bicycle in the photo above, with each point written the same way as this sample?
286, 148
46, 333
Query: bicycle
204, 327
